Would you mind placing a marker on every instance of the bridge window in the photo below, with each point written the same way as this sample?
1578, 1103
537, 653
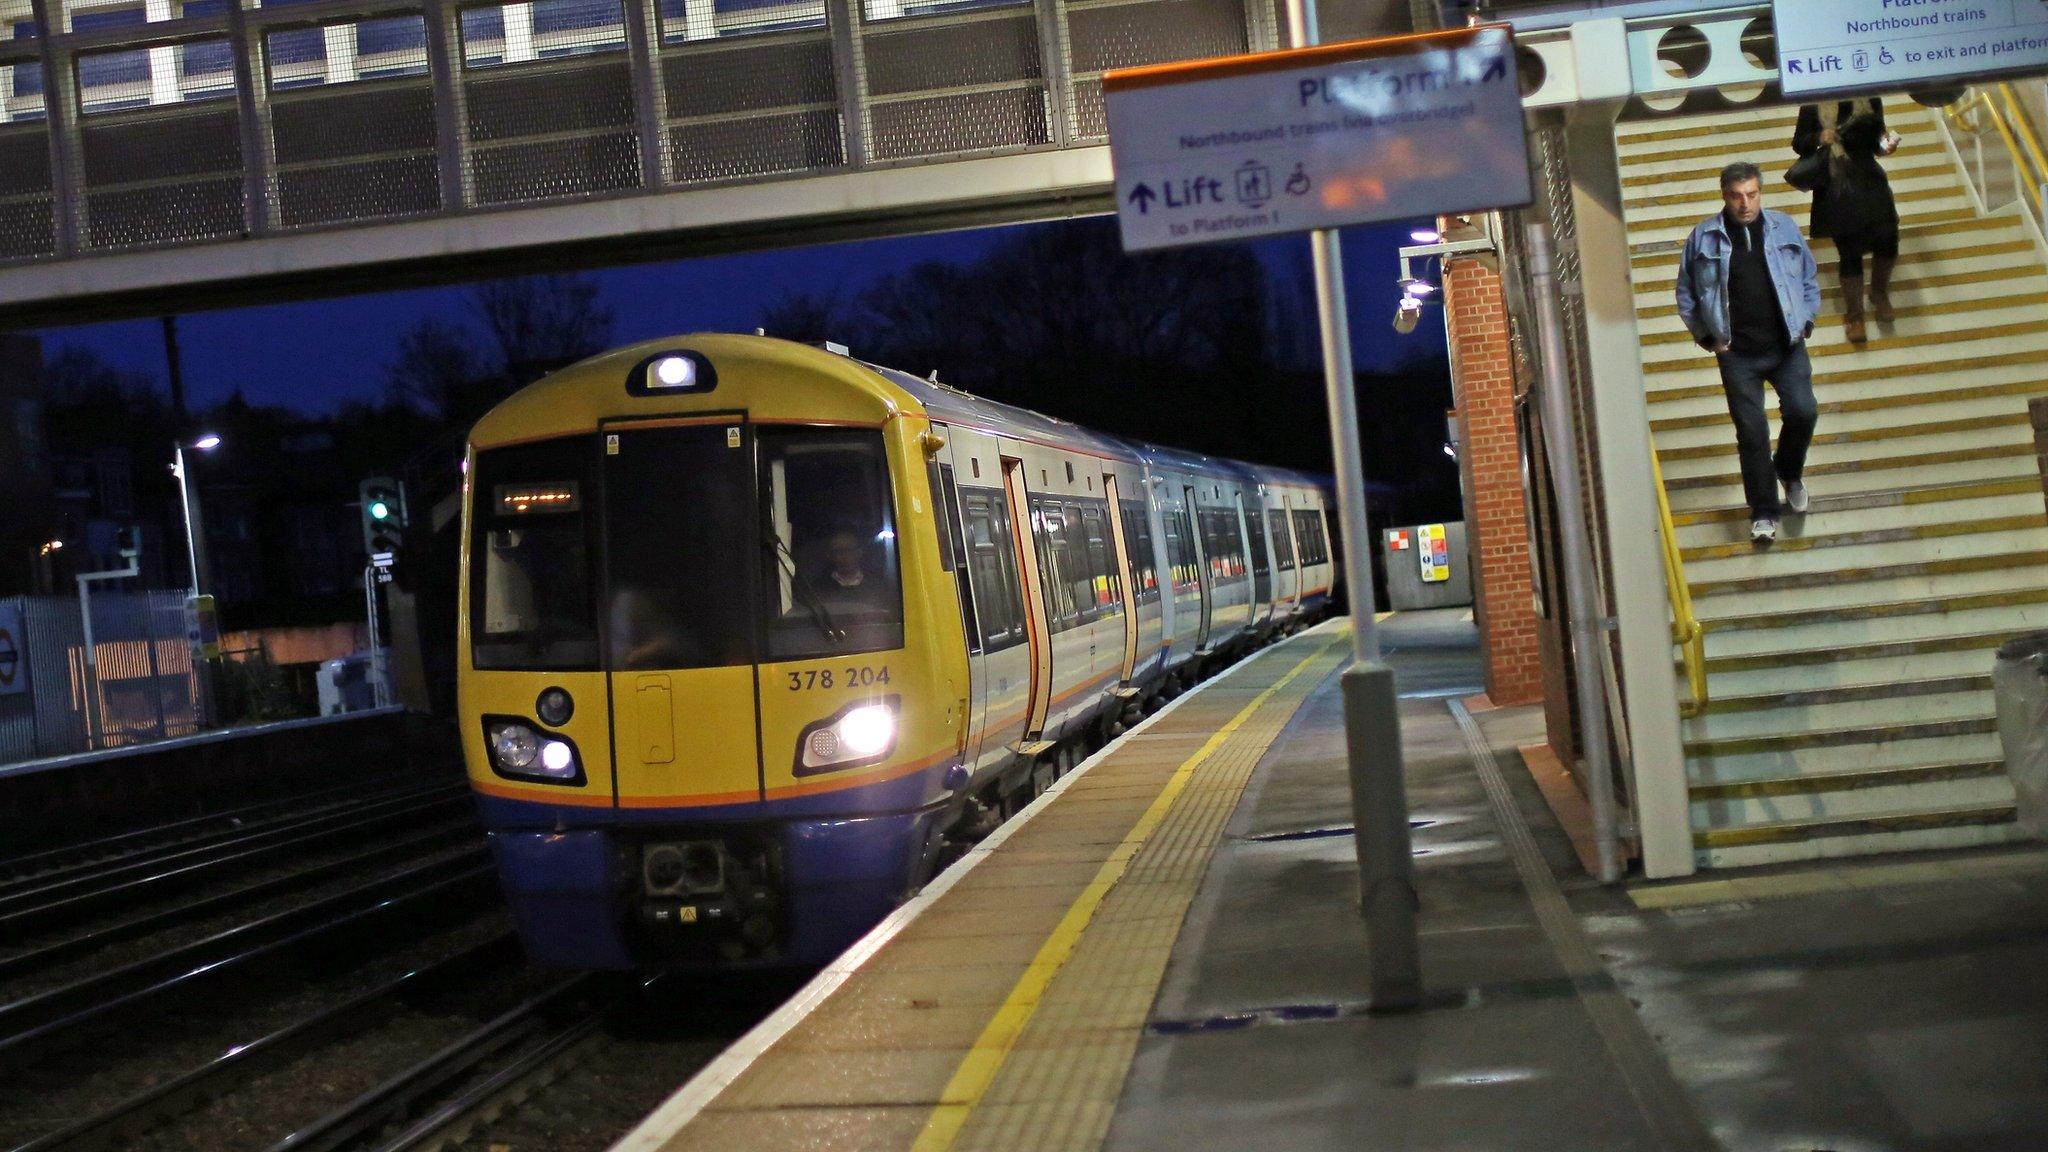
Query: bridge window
894, 9
683, 20
338, 53
542, 30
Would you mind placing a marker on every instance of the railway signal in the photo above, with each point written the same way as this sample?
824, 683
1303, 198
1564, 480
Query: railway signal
383, 506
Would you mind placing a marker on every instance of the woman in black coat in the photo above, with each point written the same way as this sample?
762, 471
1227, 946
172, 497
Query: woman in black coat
1854, 206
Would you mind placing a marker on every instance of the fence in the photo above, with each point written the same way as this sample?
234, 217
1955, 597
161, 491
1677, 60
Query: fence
137, 686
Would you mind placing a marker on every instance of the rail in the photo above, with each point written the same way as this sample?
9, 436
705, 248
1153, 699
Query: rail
2000, 105
1686, 631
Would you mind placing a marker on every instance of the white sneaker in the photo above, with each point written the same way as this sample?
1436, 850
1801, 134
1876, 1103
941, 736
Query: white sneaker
1763, 530
1795, 497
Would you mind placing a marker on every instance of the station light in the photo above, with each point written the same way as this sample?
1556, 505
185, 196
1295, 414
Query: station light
383, 506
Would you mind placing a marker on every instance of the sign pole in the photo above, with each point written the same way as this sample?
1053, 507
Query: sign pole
1372, 721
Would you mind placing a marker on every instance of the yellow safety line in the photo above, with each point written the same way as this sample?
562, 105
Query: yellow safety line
978, 1069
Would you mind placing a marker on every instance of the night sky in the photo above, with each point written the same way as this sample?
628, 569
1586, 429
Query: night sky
314, 355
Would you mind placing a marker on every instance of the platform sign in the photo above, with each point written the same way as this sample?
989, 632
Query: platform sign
1433, 552
1847, 46
202, 627
1322, 137
13, 651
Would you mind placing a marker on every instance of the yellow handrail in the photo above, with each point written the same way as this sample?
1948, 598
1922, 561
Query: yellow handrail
2034, 152
1686, 632
2029, 160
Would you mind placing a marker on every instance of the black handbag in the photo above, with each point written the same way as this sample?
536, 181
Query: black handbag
1809, 172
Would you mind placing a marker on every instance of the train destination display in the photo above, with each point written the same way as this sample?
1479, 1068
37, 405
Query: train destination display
1844, 46
1318, 137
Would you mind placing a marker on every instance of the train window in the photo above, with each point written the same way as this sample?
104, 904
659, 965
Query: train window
1283, 541
1055, 562
1180, 539
1106, 585
1144, 560
948, 558
829, 543
1262, 578
530, 599
946, 504
992, 562
678, 549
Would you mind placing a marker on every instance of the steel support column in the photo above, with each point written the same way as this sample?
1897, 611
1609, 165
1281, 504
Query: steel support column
650, 96
1055, 64
1620, 431
850, 71
451, 106
252, 98
60, 109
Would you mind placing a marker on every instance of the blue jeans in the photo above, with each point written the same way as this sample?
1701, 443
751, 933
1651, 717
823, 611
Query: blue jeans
1743, 378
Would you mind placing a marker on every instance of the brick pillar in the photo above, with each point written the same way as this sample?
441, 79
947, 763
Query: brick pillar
1475, 319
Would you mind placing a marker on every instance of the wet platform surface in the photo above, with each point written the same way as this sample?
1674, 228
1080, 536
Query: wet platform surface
1167, 955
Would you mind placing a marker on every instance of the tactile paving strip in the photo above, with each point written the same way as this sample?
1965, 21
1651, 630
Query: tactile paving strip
1007, 1014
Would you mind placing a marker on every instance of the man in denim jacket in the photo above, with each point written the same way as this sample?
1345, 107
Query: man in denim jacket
1748, 292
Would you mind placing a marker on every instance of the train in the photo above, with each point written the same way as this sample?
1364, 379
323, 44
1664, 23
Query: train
756, 636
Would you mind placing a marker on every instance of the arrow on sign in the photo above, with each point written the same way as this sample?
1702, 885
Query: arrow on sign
1793, 67
1142, 196
1496, 69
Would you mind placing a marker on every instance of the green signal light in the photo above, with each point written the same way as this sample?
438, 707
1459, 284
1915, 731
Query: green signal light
380, 510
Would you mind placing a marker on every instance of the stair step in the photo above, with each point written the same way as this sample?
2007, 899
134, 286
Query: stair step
1839, 373
1913, 203
1849, 715
1824, 438
1889, 610
1943, 384
1952, 309
1818, 697
1648, 253
1933, 410
1841, 737
1823, 782
1689, 190
1821, 505
1997, 826
1928, 261
1864, 591
1997, 512
1881, 672
1879, 473
1888, 800
1898, 349
1881, 649
1942, 566
1861, 824
1789, 544
1906, 291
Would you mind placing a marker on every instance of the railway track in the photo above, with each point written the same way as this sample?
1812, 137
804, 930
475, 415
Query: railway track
139, 844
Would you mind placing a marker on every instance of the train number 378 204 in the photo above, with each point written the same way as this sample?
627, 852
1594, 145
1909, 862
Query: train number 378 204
856, 676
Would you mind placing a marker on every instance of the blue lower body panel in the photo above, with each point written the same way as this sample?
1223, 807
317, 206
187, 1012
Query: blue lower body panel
575, 895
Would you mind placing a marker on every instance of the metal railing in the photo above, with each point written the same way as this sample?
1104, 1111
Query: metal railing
2015, 169
1686, 631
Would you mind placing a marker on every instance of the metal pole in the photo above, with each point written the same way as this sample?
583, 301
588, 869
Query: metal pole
92, 670
1571, 515
185, 504
1372, 721
377, 693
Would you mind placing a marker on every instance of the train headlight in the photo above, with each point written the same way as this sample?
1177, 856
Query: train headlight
521, 752
858, 734
514, 746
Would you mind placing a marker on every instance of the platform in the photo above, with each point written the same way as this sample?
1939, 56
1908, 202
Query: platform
1164, 953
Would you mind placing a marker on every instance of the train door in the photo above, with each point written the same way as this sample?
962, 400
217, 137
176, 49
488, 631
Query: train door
1128, 573
953, 551
1038, 628
1254, 529
1203, 583
679, 539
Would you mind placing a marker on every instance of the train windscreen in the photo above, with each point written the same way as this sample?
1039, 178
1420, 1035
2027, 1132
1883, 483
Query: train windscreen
829, 543
678, 545
530, 601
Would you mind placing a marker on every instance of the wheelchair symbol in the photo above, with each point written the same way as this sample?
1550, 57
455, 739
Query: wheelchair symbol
1298, 181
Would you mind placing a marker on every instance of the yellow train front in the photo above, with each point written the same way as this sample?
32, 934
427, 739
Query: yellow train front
707, 717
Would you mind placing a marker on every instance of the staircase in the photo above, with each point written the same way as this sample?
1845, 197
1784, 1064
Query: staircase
1849, 666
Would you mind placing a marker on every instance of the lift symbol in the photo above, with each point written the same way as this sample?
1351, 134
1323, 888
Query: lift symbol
1254, 184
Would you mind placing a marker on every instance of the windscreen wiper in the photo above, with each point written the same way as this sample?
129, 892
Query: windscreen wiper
820, 615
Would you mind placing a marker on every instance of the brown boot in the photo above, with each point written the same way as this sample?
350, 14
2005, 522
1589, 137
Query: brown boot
1852, 308
1881, 287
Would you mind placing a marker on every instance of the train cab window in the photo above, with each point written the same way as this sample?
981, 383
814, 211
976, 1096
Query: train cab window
992, 562
530, 598
678, 547
831, 578
1144, 561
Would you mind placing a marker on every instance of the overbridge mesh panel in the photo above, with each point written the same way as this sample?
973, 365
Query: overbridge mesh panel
352, 121
751, 106
549, 100
966, 84
26, 227
1107, 35
162, 157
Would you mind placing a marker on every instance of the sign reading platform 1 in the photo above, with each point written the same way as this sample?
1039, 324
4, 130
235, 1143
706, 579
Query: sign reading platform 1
1356, 133
1845, 46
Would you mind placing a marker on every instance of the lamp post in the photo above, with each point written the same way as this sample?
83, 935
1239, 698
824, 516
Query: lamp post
46, 580
189, 501
198, 606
